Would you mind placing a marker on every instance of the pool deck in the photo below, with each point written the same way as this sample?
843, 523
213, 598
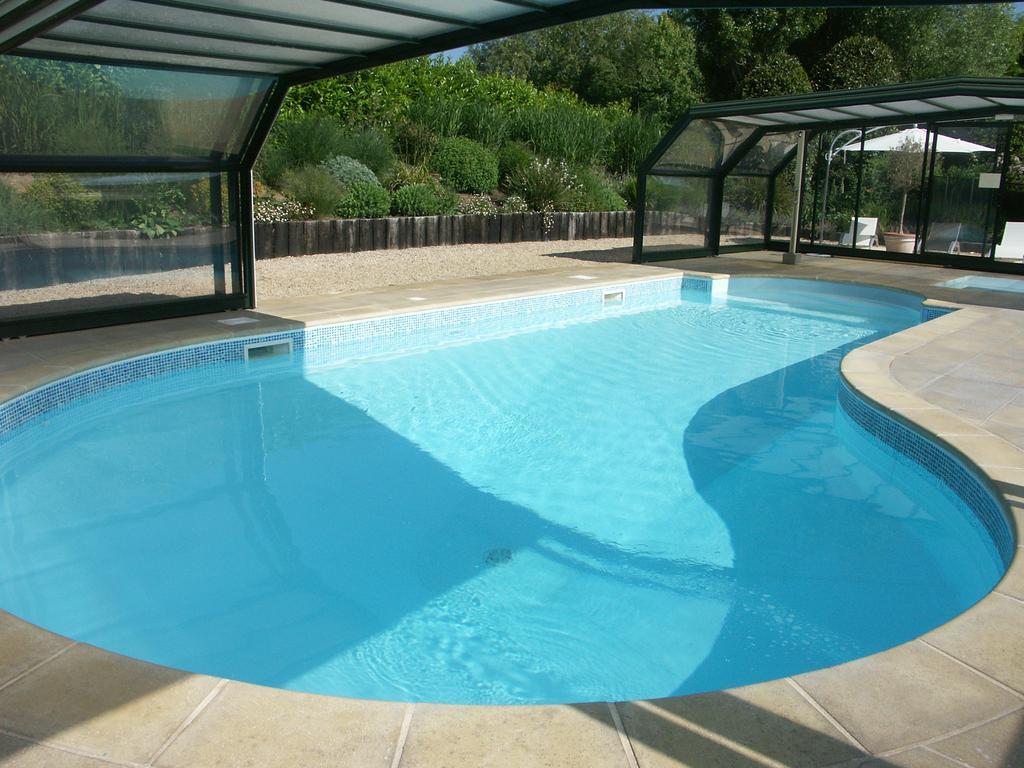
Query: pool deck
953, 697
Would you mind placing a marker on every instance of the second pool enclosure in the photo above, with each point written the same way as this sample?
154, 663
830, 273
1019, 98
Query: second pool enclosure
918, 171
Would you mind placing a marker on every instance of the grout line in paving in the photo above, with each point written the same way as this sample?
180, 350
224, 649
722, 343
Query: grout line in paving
1010, 597
827, 715
973, 669
627, 745
69, 750
200, 708
947, 757
926, 743
37, 665
403, 735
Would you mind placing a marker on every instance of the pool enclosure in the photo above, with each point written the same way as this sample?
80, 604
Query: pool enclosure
918, 171
129, 129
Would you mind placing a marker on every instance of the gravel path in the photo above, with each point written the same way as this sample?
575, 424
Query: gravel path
320, 274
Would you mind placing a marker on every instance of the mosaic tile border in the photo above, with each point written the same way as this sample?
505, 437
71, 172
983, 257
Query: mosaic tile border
357, 339
910, 446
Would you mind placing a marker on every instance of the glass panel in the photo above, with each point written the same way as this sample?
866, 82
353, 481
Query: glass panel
68, 109
676, 215
769, 152
744, 204
75, 242
63, 50
703, 145
88, 32
964, 190
783, 201
835, 173
195, 21
891, 186
333, 13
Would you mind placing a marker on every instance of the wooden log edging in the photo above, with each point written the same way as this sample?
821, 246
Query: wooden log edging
301, 238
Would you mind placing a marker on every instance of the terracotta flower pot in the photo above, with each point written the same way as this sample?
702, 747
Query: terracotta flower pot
899, 242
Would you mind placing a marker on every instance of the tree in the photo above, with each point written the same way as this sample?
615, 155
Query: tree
779, 75
647, 61
903, 171
858, 61
731, 43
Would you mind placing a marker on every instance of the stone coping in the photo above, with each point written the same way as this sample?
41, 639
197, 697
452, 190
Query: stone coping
952, 697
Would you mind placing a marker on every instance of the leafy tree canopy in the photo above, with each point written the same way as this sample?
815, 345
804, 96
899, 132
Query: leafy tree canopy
645, 61
857, 61
778, 75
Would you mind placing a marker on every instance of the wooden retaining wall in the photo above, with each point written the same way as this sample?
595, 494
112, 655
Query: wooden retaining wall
298, 238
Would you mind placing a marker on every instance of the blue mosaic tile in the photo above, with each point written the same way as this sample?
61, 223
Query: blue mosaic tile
930, 313
390, 334
910, 447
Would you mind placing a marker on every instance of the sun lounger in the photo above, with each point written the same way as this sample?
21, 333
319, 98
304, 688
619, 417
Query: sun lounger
1011, 247
867, 233
944, 237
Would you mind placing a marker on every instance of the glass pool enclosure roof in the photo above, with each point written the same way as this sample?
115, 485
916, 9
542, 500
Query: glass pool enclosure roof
915, 171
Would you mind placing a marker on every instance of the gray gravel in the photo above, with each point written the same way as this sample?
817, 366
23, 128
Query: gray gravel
323, 273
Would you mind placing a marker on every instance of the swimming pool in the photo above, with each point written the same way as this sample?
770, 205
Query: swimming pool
647, 497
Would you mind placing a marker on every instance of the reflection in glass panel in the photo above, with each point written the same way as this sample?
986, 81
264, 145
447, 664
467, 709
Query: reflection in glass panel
73, 242
768, 154
704, 145
676, 214
744, 205
964, 190
67, 108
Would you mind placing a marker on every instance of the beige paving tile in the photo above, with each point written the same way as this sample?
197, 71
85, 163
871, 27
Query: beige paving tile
741, 727
988, 637
19, 753
987, 450
905, 696
999, 744
974, 399
32, 375
248, 725
1012, 583
581, 736
23, 645
920, 757
939, 421
106, 705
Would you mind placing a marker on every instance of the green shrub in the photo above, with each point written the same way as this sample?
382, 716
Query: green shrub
465, 165
633, 137
423, 200
406, 174
486, 123
480, 205
365, 200
415, 143
63, 201
372, 148
441, 115
348, 170
565, 132
314, 188
859, 61
595, 193
778, 75
513, 157
546, 185
515, 204
20, 216
298, 142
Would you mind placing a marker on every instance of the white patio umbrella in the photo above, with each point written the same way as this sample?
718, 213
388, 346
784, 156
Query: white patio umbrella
909, 136
913, 140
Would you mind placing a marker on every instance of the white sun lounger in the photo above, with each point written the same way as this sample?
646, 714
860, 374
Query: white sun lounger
1011, 247
944, 237
867, 233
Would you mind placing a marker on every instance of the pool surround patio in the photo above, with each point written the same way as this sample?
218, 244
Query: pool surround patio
952, 697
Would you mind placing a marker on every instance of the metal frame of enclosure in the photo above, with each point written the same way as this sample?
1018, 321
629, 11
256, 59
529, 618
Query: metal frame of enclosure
736, 176
115, 106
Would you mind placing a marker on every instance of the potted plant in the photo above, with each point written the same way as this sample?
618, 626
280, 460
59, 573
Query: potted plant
903, 172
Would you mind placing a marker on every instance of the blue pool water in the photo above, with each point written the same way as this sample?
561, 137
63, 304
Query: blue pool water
646, 504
